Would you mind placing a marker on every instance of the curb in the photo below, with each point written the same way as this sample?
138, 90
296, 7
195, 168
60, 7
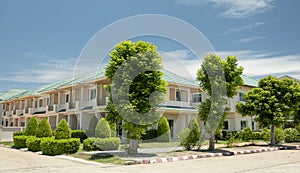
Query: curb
209, 155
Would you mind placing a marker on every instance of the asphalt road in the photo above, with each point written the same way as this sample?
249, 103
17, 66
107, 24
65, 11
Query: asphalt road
287, 161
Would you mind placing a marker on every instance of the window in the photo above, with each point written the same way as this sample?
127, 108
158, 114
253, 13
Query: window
196, 98
171, 124
181, 95
40, 102
226, 125
243, 124
67, 98
48, 101
92, 94
241, 97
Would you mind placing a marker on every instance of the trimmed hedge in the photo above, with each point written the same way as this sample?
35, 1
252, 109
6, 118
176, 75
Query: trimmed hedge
33, 143
43, 129
164, 134
20, 141
53, 147
101, 144
63, 130
19, 133
103, 129
32, 127
79, 134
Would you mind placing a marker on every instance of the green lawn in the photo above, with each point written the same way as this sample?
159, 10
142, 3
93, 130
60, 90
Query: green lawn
101, 158
154, 145
8, 143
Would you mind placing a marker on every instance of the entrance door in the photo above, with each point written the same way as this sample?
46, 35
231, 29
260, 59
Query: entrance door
171, 124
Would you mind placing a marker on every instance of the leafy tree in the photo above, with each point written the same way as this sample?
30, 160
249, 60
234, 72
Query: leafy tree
163, 130
31, 127
189, 137
221, 80
271, 102
102, 129
113, 127
137, 87
92, 126
44, 129
63, 130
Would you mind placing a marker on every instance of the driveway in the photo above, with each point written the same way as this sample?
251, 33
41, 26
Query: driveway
284, 161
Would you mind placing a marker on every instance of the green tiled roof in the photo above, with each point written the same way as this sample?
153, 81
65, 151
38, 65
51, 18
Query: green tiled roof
171, 77
249, 81
13, 93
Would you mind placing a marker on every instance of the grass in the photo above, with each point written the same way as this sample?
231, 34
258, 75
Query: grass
101, 158
159, 145
11, 144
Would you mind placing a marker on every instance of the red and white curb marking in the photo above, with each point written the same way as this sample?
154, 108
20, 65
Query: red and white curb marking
208, 155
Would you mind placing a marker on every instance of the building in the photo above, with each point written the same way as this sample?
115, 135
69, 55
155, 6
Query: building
79, 98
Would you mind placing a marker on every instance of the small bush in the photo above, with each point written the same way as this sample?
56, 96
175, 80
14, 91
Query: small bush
33, 143
150, 135
53, 147
101, 144
32, 127
246, 134
163, 131
102, 129
79, 134
190, 136
63, 130
92, 126
266, 134
291, 135
113, 129
279, 135
19, 133
20, 141
43, 129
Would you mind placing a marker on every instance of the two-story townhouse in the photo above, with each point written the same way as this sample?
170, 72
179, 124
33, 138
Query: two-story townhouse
78, 99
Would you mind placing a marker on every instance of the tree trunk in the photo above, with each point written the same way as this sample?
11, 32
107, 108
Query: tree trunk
133, 146
272, 135
212, 142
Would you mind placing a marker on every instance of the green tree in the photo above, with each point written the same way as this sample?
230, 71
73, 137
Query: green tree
137, 87
63, 130
221, 80
189, 137
271, 103
31, 127
102, 129
43, 129
163, 131
92, 126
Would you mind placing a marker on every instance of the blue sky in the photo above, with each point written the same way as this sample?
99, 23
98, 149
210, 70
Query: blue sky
41, 40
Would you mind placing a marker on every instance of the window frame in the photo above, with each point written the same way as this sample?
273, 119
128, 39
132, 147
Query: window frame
192, 99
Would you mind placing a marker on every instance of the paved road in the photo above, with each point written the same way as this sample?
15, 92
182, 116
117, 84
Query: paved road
269, 162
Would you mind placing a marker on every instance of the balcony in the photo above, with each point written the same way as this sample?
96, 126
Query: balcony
8, 113
177, 103
102, 102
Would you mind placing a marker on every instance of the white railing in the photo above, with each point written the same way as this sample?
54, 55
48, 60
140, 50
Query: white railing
177, 103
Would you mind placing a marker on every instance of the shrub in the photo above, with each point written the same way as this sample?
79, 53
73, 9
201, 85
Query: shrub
92, 126
291, 135
113, 129
102, 144
150, 135
20, 141
33, 143
63, 130
279, 135
163, 131
102, 129
19, 133
246, 134
266, 134
79, 134
189, 138
43, 129
257, 135
51, 146
32, 127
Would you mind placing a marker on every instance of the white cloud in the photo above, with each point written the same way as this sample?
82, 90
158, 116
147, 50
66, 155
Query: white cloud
235, 8
49, 71
244, 27
250, 39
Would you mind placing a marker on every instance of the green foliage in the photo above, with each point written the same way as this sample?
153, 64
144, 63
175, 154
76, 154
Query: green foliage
63, 130
102, 144
266, 134
51, 146
19, 133
163, 131
279, 135
189, 137
33, 143
150, 135
20, 141
32, 127
291, 135
102, 129
44, 129
79, 134
246, 134
92, 126
272, 102
113, 127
